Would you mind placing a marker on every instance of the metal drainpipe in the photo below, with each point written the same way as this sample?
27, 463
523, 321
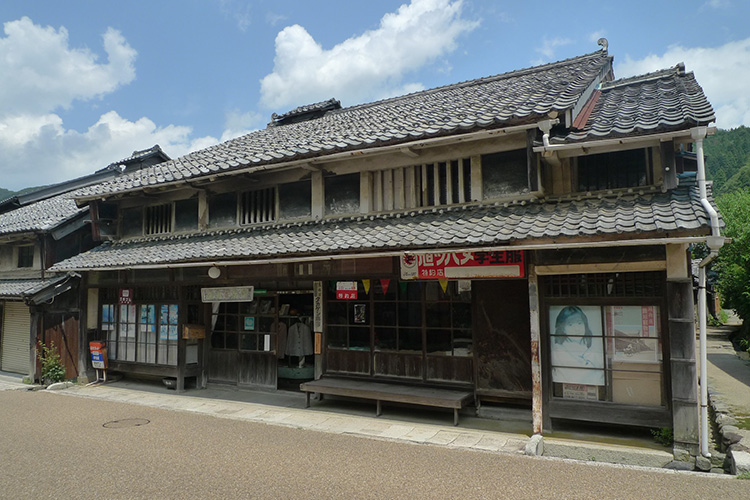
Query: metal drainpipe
715, 242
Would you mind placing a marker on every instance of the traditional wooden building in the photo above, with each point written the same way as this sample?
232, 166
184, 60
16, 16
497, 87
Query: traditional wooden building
516, 239
38, 229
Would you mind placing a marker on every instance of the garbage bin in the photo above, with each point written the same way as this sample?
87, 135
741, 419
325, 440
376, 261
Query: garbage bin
98, 350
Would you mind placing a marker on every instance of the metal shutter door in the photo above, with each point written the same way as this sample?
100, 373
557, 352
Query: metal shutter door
16, 328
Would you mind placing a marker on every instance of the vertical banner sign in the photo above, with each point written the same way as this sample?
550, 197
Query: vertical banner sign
126, 296
318, 306
463, 265
346, 290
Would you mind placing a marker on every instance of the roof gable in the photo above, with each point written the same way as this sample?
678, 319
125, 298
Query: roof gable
662, 101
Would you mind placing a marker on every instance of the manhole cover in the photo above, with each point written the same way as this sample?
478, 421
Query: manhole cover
127, 422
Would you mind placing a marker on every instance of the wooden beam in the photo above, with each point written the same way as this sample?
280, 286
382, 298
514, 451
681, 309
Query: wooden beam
476, 178
605, 267
409, 152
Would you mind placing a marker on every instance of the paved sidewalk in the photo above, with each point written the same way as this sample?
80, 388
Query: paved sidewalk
729, 396
405, 424
12, 381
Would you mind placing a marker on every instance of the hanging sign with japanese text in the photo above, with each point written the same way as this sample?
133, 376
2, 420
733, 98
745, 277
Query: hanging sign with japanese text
463, 265
346, 290
126, 296
228, 294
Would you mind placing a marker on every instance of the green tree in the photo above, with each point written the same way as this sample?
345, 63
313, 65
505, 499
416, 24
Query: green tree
733, 264
726, 153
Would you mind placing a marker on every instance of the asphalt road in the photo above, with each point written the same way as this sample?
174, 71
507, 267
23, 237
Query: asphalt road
56, 446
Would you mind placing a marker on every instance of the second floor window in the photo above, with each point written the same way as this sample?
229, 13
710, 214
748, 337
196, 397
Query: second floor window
159, 219
258, 206
427, 185
621, 169
26, 256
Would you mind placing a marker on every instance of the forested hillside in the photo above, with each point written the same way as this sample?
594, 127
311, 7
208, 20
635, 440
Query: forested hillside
728, 159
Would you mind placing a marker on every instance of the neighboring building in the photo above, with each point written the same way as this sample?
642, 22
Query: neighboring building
38, 229
521, 237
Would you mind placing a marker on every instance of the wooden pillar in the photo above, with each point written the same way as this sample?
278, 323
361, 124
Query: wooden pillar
476, 179
682, 363
181, 342
318, 195
537, 413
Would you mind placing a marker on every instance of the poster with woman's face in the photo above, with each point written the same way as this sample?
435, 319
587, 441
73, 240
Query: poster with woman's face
576, 344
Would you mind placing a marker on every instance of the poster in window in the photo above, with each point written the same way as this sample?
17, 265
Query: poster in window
249, 323
359, 313
576, 345
173, 318
633, 332
108, 317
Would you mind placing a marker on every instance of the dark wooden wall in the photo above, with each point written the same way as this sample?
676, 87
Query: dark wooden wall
502, 338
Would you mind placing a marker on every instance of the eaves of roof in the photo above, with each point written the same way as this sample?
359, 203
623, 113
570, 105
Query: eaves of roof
625, 216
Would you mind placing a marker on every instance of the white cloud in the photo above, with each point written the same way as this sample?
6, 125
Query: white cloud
42, 74
723, 72
273, 18
549, 46
44, 152
371, 65
237, 124
240, 12
716, 4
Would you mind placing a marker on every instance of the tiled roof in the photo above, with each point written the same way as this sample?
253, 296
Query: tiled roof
307, 110
656, 102
652, 213
48, 207
43, 215
510, 98
16, 288
139, 155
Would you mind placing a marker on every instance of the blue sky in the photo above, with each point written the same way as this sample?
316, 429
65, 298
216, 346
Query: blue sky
83, 84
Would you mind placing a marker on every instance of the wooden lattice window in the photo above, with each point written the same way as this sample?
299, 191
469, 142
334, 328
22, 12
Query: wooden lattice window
159, 219
635, 285
427, 185
621, 169
258, 206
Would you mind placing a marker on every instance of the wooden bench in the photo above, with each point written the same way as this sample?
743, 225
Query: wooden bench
384, 391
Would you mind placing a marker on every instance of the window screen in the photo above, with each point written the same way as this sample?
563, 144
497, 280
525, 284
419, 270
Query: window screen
295, 200
504, 174
222, 210
342, 194
186, 215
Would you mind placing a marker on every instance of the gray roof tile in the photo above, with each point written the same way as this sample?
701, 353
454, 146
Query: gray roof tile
650, 212
496, 101
42, 215
10, 288
656, 102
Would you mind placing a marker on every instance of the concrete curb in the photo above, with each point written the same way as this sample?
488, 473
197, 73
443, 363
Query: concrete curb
614, 454
59, 386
